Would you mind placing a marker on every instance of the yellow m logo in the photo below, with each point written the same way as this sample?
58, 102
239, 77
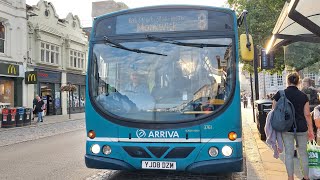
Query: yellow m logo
32, 77
12, 69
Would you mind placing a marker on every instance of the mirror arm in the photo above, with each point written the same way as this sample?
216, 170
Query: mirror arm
244, 14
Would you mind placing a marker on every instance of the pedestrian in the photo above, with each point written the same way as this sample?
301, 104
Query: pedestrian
34, 102
40, 106
316, 116
304, 127
245, 101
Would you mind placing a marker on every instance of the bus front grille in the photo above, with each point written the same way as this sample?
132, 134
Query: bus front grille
158, 152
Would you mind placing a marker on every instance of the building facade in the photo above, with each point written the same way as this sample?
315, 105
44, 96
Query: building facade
57, 56
271, 83
13, 30
103, 7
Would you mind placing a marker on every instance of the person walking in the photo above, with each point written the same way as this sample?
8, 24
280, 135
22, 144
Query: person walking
245, 101
34, 102
39, 108
304, 127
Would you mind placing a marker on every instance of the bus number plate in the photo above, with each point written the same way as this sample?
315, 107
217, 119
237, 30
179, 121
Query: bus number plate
159, 165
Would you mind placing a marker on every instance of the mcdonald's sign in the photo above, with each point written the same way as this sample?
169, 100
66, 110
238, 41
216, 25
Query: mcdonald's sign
9, 69
31, 77
12, 69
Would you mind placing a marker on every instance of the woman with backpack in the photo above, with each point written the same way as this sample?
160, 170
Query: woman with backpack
304, 129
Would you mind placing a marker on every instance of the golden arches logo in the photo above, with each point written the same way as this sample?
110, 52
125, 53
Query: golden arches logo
12, 69
32, 77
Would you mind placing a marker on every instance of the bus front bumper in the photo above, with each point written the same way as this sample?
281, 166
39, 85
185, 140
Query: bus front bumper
217, 166
203, 167
97, 162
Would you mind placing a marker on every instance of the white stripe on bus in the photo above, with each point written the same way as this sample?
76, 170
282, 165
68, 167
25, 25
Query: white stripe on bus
218, 140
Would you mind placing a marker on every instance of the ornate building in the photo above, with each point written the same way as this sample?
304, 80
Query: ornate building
57, 56
13, 30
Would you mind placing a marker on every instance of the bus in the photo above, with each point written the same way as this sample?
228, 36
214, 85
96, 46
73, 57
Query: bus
163, 90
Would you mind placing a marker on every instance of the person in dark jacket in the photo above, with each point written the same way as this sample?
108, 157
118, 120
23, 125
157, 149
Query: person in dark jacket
40, 106
34, 102
304, 127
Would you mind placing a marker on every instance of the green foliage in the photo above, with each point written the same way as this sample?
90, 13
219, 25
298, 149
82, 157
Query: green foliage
261, 19
302, 55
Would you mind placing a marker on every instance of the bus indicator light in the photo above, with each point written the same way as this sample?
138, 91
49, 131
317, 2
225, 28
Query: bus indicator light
232, 136
91, 134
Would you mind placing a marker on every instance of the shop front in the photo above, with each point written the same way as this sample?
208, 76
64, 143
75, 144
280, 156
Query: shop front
47, 85
10, 85
77, 98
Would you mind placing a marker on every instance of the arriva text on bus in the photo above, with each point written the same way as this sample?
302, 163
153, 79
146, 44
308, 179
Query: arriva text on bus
157, 134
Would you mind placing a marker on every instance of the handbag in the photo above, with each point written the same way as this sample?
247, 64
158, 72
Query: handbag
313, 151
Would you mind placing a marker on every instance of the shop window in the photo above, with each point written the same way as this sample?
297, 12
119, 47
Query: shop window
310, 75
57, 96
82, 95
271, 81
2, 37
49, 53
7, 92
279, 80
76, 59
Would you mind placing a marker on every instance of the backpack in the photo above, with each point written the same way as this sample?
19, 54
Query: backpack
283, 116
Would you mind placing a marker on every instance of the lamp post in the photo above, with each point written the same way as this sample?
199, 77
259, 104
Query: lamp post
69, 100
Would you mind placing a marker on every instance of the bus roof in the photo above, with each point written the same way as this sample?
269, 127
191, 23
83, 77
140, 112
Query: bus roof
227, 10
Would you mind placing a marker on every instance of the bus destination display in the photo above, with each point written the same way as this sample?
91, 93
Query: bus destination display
162, 22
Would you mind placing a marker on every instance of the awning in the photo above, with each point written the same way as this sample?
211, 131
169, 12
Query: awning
298, 21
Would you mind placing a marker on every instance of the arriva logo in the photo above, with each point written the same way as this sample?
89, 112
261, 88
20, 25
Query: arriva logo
157, 134
141, 133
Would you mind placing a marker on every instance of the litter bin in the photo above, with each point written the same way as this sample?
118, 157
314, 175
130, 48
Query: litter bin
20, 116
5, 118
27, 117
263, 107
8, 118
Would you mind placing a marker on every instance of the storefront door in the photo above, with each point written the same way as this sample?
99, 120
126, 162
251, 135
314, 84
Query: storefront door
47, 94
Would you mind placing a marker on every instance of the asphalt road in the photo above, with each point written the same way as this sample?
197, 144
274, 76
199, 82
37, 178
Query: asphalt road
60, 156
55, 157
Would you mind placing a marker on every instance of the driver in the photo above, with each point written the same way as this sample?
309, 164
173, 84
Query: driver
139, 93
135, 85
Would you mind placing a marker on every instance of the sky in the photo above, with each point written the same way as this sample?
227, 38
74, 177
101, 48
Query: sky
82, 8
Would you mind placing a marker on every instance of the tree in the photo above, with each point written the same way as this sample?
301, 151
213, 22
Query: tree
262, 17
302, 55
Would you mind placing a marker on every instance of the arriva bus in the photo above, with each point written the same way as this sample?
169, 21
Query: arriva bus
163, 90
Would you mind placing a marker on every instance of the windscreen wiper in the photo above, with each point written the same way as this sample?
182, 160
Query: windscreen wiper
198, 45
117, 45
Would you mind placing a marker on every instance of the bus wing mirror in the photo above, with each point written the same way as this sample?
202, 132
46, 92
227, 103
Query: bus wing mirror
246, 47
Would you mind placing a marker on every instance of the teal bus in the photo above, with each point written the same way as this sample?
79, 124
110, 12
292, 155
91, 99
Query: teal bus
163, 90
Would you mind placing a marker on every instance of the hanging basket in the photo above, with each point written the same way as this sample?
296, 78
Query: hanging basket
70, 88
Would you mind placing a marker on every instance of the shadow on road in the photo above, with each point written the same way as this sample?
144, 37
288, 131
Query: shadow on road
161, 175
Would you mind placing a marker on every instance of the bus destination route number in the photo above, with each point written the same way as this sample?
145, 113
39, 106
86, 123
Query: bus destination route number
159, 165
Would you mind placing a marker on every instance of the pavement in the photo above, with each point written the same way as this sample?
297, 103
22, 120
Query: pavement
51, 126
261, 165
50, 120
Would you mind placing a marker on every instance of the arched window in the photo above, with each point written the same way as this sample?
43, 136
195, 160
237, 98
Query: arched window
2, 37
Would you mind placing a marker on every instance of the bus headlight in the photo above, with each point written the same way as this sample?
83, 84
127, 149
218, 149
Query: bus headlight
213, 151
106, 150
227, 151
95, 149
